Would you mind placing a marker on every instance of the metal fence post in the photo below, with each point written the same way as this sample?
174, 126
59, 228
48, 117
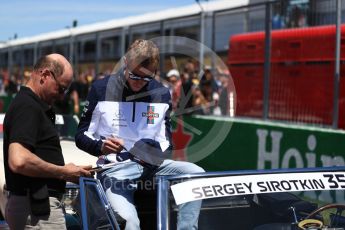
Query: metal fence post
337, 66
98, 54
202, 40
267, 65
10, 62
163, 204
162, 49
71, 47
201, 36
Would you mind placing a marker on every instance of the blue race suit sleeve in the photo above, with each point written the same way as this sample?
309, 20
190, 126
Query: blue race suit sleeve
84, 138
168, 133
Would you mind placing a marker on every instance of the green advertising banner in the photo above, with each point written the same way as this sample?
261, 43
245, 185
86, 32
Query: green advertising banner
219, 144
251, 144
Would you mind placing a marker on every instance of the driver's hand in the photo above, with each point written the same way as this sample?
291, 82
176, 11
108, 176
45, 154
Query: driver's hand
112, 145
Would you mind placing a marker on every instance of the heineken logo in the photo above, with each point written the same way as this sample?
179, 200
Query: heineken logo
150, 114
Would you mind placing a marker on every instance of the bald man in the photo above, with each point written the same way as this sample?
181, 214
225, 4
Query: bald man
35, 170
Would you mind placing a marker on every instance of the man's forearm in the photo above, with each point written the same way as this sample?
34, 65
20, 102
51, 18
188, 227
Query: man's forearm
23, 161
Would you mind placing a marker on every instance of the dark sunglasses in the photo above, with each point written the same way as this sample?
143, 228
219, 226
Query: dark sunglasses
62, 89
137, 78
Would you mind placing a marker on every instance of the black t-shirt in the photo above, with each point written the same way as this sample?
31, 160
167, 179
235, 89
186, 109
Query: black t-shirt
31, 122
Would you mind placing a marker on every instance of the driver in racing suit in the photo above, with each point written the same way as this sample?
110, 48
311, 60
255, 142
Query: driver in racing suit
126, 121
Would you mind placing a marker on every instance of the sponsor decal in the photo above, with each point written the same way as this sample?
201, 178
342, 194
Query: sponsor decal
255, 184
150, 114
118, 115
275, 149
271, 155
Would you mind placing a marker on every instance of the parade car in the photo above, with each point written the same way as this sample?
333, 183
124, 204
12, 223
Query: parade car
287, 199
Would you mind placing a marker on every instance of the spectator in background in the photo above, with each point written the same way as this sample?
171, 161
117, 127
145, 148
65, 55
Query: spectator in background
173, 78
19, 83
186, 95
2, 88
277, 19
27, 75
11, 86
224, 95
277, 22
79, 90
98, 76
298, 18
208, 76
64, 106
189, 68
209, 88
200, 104
192, 72
207, 92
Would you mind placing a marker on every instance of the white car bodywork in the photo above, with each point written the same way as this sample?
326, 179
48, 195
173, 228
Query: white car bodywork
71, 155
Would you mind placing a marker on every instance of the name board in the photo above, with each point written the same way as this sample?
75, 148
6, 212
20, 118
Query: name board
255, 184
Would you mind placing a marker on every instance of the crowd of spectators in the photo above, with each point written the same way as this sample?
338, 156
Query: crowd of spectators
9, 85
202, 92
193, 92
73, 99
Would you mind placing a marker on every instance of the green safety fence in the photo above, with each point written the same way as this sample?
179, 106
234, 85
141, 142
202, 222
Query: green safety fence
219, 144
233, 144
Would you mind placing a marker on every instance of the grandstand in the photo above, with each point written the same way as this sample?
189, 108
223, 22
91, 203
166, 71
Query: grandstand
96, 48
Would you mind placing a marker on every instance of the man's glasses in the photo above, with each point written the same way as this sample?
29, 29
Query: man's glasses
137, 78
62, 89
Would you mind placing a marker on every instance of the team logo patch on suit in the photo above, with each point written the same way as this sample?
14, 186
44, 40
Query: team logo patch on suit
119, 115
150, 114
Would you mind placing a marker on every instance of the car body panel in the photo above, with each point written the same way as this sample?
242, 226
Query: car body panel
274, 210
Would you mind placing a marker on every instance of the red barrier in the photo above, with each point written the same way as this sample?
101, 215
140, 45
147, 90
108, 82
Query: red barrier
301, 78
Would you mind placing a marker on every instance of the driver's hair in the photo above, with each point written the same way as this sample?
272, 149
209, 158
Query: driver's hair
144, 53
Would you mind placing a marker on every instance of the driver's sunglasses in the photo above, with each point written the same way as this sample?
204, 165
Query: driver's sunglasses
137, 78
62, 89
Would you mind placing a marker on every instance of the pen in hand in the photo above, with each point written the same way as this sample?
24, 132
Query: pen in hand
112, 144
122, 145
